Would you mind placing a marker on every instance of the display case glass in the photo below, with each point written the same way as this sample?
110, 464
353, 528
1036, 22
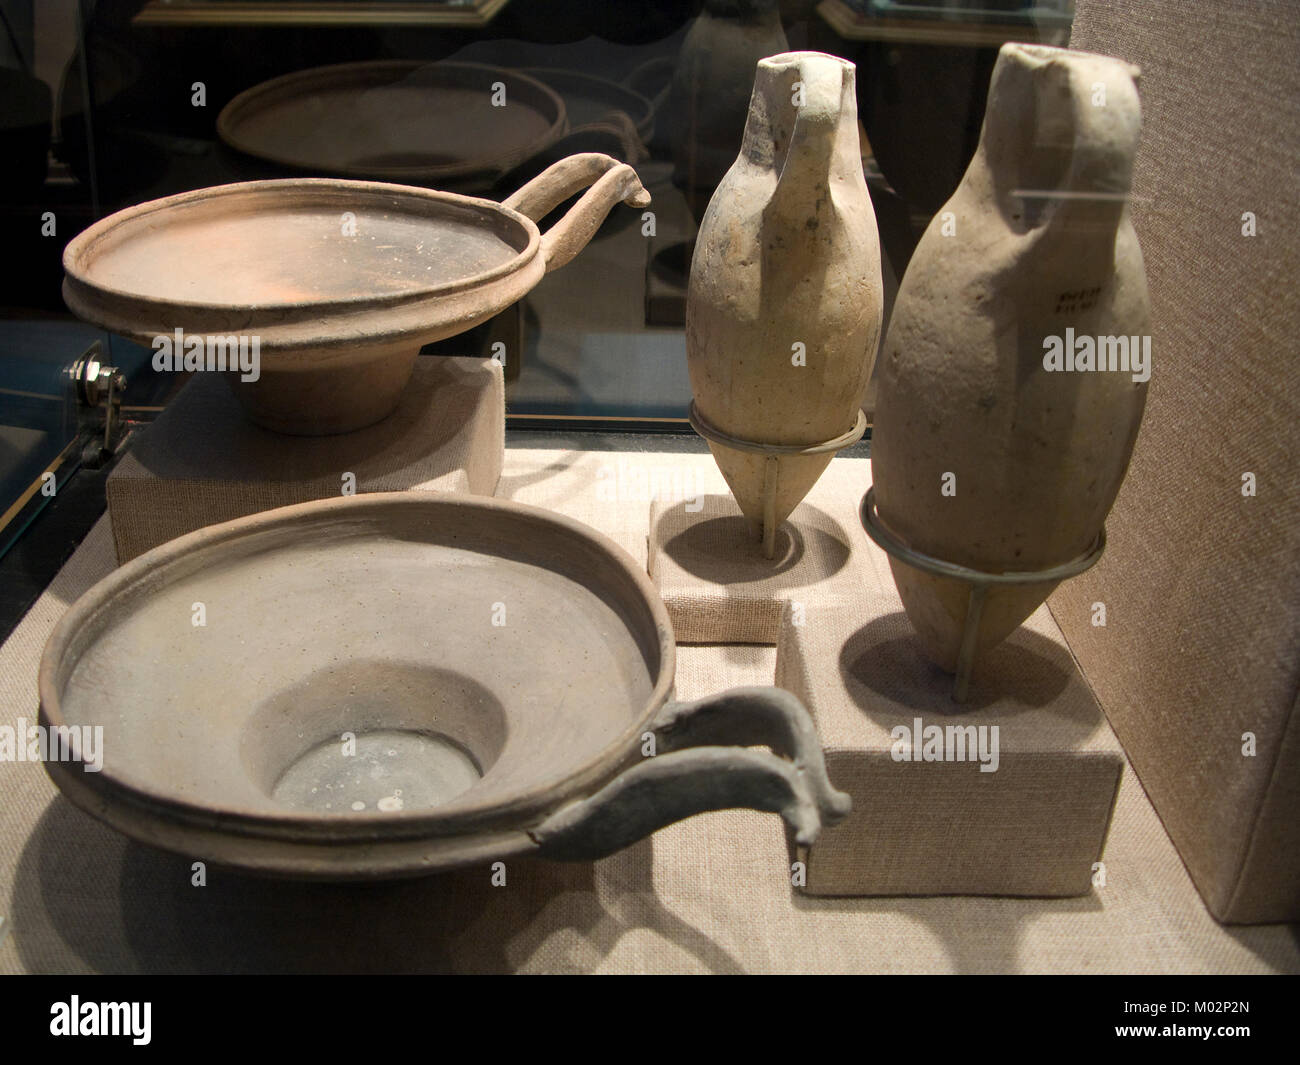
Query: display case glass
117, 102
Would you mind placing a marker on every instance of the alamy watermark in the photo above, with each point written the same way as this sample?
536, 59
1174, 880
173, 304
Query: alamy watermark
633, 482
951, 743
1085, 354
215, 353
79, 1018
61, 743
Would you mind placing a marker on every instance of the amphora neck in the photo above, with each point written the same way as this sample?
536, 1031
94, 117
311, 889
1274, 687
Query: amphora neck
1060, 135
803, 119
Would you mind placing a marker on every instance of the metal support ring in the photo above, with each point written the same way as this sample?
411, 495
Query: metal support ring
773, 453
711, 432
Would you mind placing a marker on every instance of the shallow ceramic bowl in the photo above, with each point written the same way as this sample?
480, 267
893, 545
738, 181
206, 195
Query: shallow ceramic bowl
339, 282
391, 684
397, 120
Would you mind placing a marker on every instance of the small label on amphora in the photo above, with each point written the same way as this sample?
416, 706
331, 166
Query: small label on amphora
1083, 299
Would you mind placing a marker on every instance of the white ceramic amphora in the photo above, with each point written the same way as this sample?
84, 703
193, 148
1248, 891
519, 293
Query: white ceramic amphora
981, 455
784, 306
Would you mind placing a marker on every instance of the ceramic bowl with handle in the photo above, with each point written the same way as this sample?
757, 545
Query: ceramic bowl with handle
339, 282
398, 683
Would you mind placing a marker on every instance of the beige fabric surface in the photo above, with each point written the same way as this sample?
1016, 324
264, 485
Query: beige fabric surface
1033, 825
713, 577
1202, 584
204, 462
708, 895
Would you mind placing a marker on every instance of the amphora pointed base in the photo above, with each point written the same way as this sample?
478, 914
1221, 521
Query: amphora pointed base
940, 608
769, 480
959, 612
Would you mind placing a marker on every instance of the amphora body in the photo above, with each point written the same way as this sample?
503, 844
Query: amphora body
784, 306
999, 444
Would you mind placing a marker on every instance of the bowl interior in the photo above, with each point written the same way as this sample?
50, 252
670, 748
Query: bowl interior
277, 243
363, 657
395, 120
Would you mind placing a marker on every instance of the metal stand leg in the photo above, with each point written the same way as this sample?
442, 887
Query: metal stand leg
771, 475
969, 641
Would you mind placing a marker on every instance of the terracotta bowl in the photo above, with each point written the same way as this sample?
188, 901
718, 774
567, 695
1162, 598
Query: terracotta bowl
397, 120
341, 282
396, 683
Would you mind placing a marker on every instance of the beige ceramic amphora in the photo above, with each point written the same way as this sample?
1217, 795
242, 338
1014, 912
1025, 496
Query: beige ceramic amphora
784, 306
983, 453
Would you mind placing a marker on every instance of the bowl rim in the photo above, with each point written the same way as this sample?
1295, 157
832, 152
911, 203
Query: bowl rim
377, 74
517, 812
80, 250
643, 120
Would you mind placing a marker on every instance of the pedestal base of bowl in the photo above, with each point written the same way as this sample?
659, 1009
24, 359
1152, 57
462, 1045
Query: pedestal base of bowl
308, 393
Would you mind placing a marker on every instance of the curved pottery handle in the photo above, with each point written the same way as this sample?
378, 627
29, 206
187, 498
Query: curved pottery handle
810, 151
1060, 137
613, 181
707, 769
804, 119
